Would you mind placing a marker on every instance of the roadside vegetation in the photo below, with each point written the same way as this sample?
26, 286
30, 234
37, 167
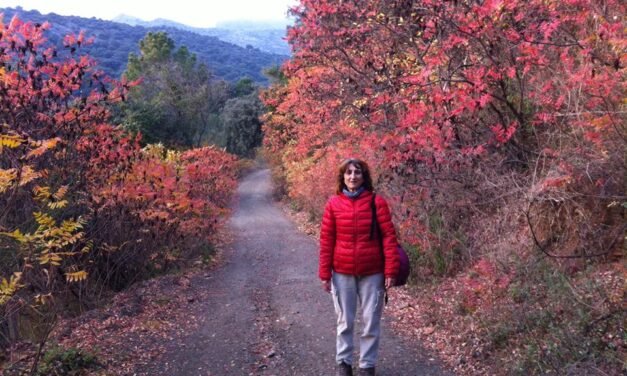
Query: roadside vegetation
497, 130
103, 182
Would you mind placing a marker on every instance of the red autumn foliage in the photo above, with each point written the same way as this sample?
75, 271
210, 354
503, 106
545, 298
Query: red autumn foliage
83, 207
446, 98
494, 127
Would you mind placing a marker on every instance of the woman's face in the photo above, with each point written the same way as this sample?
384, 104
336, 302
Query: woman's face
353, 177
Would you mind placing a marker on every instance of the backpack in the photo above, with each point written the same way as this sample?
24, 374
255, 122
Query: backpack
404, 268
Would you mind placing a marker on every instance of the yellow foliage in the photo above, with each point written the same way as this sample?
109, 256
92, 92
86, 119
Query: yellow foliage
44, 220
11, 141
17, 235
160, 152
42, 194
173, 156
360, 102
71, 226
154, 150
7, 178
50, 258
9, 287
72, 239
78, 276
58, 204
88, 247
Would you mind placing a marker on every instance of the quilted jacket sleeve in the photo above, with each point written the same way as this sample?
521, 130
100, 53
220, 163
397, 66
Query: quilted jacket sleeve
327, 242
384, 217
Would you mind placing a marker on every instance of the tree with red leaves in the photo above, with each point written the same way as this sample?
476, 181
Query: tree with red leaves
82, 205
496, 127
448, 98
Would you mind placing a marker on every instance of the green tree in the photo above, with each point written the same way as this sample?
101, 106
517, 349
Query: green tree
242, 126
275, 75
154, 48
243, 87
210, 103
177, 100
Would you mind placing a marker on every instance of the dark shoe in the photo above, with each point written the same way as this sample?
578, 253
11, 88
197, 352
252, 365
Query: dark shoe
344, 369
366, 371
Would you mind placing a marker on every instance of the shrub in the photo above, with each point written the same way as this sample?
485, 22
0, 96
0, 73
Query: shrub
59, 361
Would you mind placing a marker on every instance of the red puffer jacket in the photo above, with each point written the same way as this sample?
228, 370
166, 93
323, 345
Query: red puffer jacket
345, 244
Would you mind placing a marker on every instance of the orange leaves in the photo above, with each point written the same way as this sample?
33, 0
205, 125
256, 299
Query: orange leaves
115, 95
41, 147
185, 190
2, 75
556, 182
470, 112
28, 174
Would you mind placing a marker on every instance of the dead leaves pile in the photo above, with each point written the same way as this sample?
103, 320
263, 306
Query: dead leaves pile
132, 331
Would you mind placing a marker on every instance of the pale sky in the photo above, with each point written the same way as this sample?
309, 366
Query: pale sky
196, 13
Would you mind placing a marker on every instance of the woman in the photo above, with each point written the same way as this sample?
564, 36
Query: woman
356, 263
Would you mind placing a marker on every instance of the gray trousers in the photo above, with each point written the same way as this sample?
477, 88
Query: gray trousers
347, 291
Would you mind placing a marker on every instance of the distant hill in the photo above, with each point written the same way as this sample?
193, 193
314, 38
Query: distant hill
114, 41
266, 36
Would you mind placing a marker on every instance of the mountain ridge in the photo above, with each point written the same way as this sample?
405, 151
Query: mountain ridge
265, 35
114, 41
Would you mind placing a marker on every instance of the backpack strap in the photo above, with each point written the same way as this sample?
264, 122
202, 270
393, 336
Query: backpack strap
374, 227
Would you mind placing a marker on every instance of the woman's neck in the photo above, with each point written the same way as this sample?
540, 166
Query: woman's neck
355, 193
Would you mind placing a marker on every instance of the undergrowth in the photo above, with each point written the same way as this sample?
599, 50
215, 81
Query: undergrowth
551, 322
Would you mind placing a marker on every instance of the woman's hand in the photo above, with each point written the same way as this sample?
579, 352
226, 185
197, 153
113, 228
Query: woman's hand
326, 285
389, 282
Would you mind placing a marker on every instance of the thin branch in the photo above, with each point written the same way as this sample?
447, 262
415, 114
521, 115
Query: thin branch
543, 250
559, 114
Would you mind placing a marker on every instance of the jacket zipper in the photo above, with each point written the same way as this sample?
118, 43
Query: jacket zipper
354, 202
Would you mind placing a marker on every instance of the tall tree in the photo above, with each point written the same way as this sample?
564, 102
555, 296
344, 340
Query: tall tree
242, 124
244, 86
176, 98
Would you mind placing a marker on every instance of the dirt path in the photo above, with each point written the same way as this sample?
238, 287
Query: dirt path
266, 313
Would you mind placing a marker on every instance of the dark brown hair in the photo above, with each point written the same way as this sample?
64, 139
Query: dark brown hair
365, 171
